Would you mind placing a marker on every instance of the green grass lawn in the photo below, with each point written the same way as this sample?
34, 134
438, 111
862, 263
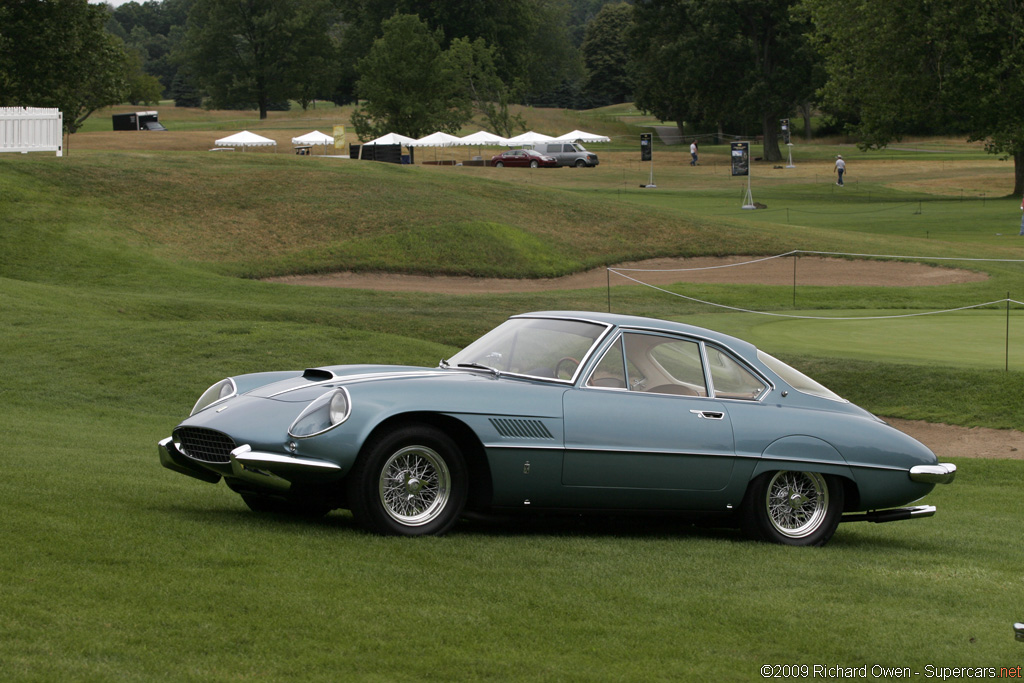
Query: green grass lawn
127, 287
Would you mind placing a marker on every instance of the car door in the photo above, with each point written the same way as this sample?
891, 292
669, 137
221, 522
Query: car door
643, 421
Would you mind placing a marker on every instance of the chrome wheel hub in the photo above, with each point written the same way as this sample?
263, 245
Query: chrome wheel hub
415, 485
797, 502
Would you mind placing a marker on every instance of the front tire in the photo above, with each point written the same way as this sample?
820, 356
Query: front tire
409, 482
793, 508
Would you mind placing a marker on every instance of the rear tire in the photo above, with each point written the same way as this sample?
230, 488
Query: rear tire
534, 164
498, 164
409, 482
793, 508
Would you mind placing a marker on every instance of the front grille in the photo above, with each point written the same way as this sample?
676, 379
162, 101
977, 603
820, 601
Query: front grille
206, 445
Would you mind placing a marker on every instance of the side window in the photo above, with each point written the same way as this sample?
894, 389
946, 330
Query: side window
664, 365
610, 372
568, 148
731, 379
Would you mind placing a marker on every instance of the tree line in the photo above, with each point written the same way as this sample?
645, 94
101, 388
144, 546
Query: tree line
877, 70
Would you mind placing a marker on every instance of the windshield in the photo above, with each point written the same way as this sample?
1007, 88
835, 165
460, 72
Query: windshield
535, 347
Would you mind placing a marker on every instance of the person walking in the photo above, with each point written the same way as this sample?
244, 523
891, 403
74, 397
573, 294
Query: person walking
1022, 216
693, 152
840, 169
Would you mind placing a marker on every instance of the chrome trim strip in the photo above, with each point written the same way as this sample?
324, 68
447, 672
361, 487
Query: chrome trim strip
245, 454
890, 514
942, 473
352, 379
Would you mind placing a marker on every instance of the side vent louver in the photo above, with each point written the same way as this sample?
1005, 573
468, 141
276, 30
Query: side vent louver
521, 429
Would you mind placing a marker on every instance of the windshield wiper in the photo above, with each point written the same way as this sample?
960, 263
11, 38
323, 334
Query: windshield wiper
478, 366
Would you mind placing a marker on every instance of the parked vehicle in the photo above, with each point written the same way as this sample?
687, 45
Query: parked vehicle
560, 411
523, 157
568, 153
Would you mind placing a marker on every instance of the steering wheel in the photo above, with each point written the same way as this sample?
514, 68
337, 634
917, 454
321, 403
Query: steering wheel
569, 371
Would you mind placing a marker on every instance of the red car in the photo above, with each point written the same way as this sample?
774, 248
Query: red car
523, 157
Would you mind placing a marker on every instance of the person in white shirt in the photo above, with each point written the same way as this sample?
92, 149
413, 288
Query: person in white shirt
693, 153
840, 169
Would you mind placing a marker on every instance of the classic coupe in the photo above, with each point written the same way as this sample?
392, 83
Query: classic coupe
523, 157
560, 411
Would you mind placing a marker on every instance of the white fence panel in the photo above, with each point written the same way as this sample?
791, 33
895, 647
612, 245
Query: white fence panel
31, 129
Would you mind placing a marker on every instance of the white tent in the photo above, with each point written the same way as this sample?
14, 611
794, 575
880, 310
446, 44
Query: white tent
582, 136
529, 138
483, 138
391, 139
245, 139
437, 139
314, 138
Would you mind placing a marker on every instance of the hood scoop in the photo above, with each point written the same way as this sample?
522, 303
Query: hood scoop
318, 375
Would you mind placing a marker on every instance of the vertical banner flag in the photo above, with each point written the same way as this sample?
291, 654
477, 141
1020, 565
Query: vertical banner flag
645, 147
741, 158
785, 130
339, 137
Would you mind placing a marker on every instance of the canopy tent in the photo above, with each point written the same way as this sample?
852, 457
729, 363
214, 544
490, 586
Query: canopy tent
483, 138
437, 139
245, 139
582, 136
391, 139
314, 138
529, 138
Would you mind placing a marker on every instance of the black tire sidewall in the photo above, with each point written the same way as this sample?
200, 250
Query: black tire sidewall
364, 480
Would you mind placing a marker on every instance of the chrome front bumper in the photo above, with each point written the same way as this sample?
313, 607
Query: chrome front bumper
942, 473
266, 470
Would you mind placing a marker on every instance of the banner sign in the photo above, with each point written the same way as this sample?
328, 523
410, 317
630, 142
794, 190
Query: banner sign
645, 147
741, 158
339, 137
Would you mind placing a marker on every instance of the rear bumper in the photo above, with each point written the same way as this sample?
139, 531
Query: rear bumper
942, 473
892, 515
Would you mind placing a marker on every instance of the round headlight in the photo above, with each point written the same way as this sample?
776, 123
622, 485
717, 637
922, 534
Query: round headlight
220, 391
326, 412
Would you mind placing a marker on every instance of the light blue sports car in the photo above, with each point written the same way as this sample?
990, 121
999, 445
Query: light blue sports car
560, 411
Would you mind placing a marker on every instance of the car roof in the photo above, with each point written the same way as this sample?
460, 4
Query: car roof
656, 324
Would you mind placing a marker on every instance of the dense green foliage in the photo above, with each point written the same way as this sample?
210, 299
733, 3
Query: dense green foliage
58, 54
919, 65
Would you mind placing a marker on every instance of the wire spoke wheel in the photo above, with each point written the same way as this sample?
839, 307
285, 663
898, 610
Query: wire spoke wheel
796, 503
415, 485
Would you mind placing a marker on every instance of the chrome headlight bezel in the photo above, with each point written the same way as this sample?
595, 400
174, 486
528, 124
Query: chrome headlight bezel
322, 415
217, 393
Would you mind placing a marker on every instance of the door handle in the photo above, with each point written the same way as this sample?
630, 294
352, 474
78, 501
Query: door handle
709, 414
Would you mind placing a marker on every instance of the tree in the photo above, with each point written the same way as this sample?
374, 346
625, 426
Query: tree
926, 65
606, 55
254, 52
473, 63
722, 61
57, 53
409, 84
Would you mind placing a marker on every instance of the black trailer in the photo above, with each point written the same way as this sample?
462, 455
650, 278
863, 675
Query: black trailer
140, 120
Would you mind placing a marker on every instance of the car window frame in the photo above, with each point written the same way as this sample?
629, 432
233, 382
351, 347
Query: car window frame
618, 340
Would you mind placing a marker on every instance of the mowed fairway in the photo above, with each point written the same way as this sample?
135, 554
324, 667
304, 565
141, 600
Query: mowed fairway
127, 286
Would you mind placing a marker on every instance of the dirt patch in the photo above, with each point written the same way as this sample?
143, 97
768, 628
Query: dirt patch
948, 441
777, 271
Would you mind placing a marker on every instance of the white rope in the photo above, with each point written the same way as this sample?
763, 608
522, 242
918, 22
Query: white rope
806, 317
